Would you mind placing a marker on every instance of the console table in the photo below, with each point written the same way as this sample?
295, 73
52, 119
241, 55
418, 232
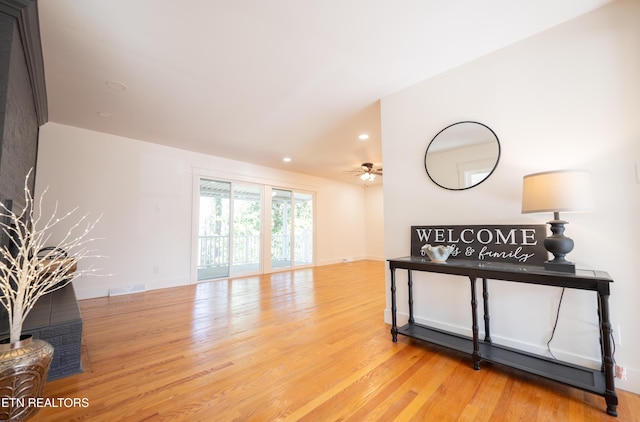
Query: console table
599, 382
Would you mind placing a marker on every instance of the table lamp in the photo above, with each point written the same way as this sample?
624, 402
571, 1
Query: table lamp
557, 191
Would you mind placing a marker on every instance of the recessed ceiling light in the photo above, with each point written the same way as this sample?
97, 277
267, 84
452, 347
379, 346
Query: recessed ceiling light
363, 137
116, 86
106, 114
286, 159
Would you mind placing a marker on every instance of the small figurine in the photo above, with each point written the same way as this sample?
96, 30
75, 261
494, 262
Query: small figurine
438, 253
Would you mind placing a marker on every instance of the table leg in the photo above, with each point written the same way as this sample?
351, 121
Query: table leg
600, 332
610, 394
474, 325
394, 321
487, 325
411, 319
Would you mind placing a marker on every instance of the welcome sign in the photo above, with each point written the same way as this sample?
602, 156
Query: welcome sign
521, 244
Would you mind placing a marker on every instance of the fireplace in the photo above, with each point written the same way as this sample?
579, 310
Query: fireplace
56, 317
22, 96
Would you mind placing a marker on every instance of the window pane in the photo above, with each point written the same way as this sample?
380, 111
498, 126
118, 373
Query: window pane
213, 229
281, 228
246, 229
303, 229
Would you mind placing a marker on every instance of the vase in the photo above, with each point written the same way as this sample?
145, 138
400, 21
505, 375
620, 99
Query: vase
24, 367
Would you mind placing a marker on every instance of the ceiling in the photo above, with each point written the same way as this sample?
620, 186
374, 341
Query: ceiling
257, 80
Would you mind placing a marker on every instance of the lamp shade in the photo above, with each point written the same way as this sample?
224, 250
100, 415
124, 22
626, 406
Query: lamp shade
557, 191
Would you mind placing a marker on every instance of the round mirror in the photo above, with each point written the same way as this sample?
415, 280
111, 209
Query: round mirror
462, 155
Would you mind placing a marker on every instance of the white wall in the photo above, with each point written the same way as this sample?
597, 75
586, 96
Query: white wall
145, 193
374, 218
566, 98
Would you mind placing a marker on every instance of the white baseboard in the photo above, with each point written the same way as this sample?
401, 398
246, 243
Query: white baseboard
89, 289
125, 290
340, 260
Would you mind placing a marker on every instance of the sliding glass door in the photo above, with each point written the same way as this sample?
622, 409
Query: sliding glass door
228, 229
291, 229
214, 228
303, 229
247, 221
230, 238
281, 220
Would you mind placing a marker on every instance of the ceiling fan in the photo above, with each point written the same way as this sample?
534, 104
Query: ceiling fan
368, 173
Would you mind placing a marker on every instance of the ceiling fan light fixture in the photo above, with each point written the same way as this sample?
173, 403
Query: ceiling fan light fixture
368, 172
367, 177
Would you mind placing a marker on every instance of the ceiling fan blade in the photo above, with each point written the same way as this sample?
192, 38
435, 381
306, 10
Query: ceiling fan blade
365, 168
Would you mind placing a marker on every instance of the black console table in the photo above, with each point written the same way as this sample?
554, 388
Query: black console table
599, 382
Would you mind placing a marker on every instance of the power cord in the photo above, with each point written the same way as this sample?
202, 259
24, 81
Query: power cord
553, 332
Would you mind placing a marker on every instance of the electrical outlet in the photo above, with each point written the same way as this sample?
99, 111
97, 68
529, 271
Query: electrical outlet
638, 171
621, 372
156, 269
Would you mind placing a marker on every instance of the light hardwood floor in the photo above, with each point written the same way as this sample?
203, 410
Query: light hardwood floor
302, 345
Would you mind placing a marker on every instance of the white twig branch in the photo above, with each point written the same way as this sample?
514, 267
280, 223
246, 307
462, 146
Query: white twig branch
29, 266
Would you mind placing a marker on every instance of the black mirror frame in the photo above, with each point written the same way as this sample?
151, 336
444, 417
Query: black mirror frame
488, 175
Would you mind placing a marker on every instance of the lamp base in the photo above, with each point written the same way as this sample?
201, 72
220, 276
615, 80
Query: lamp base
561, 267
559, 245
